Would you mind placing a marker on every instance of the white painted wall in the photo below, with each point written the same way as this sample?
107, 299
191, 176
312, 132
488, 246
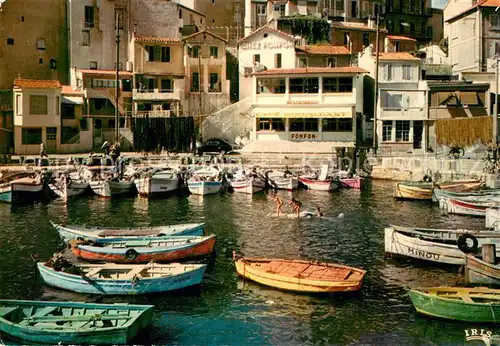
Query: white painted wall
464, 43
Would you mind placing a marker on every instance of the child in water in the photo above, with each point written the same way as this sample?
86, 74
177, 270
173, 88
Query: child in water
279, 204
296, 205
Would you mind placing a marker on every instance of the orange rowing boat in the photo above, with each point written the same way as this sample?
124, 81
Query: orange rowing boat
300, 276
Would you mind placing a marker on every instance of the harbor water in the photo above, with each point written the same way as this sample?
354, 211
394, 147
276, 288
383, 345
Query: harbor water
227, 310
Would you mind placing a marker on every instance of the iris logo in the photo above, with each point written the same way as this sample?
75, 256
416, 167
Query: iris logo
479, 334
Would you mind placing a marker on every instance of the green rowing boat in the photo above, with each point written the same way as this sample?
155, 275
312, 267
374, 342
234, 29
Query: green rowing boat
478, 304
72, 322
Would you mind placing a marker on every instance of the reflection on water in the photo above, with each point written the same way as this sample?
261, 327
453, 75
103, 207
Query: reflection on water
228, 310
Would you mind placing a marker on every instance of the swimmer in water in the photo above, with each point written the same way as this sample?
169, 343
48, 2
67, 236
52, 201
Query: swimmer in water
279, 204
296, 205
318, 212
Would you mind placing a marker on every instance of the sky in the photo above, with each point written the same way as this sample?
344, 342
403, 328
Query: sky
438, 3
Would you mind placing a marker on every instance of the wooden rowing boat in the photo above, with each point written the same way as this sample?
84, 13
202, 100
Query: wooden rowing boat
119, 279
72, 322
460, 185
413, 190
300, 276
433, 245
478, 304
68, 232
143, 250
472, 208
492, 218
480, 272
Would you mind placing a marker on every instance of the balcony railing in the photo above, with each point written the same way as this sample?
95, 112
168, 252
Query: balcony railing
152, 114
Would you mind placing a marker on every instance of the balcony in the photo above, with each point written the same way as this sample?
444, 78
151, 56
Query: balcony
155, 94
152, 114
402, 113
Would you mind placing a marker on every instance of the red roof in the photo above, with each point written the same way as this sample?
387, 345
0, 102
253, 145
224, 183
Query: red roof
483, 3
36, 84
268, 28
106, 72
68, 90
324, 49
310, 70
151, 39
397, 56
400, 38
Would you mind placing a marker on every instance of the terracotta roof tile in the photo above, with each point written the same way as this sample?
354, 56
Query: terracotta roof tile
204, 32
106, 72
400, 38
311, 70
268, 28
151, 39
36, 84
68, 90
324, 49
397, 56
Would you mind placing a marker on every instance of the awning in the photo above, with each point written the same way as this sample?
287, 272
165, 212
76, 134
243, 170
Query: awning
72, 100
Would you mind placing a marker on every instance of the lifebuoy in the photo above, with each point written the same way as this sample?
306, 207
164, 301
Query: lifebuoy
131, 254
464, 247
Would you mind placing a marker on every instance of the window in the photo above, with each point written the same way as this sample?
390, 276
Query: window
19, 106
67, 111
335, 85
366, 39
261, 9
387, 71
280, 8
85, 38
331, 62
214, 52
165, 54
167, 85
394, 100
89, 16
40, 61
340, 5
406, 72
402, 131
195, 51
180, 14
195, 82
93, 65
53, 64
40, 43
273, 86
337, 125
150, 55
256, 58
271, 124
10, 41
38, 104
58, 104
51, 134
214, 83
304, 85
103, 83
277, 60
387, 131
32, 136
304, 125
430, 32
495, 22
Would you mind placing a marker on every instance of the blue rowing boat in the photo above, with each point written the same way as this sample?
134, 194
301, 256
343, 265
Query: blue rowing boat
68, 232
115, 279
72, 322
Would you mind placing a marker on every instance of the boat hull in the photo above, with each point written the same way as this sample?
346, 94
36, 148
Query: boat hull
461, 207
65, 191
402, 191
319, 185
204, 187
435, 306
57, 336
296, 284
67, 233
284, 183
353, 183
248, 186
165, 254
80, 284
492, 218
106, 188
155, 186
480, 272
21, 193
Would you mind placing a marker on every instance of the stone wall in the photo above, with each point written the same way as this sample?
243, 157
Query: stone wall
155, 18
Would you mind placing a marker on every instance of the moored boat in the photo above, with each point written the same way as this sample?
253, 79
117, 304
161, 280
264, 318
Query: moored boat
68, 232
79, 323
300, 276
433, 245
65, 186
205, 181
413, 190
458, 303
166, 249
353, 183
112, 187
249, 185
460, 185
492, 218
463, 207
320, 185
22, 191
479, 272
157, 182
281, 181
117, 279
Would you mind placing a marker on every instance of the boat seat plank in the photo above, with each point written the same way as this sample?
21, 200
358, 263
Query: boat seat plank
466, 298
93, 271
7, 310
134, 272
44, 311
129, 232
132, 243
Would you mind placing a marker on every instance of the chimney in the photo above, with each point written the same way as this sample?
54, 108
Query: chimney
248, 17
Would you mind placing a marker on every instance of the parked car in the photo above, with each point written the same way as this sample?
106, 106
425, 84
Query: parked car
214, 146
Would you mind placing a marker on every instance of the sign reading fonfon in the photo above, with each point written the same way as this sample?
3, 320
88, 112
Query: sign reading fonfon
266, 45
304, 136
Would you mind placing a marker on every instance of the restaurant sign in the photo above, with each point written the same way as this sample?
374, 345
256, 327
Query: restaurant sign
303, 115
267, 45
304, 136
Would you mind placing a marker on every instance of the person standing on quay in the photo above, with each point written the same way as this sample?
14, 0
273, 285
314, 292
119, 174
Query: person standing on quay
43, 152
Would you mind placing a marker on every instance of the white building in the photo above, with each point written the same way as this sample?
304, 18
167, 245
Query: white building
402, 103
